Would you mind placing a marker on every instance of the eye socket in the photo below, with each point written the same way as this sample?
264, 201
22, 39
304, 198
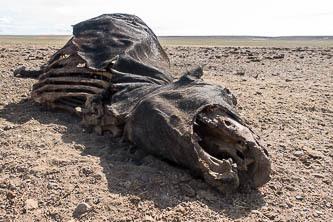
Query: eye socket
241, 155
227, 123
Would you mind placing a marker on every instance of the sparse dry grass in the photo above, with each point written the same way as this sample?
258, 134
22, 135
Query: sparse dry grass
60, 40
41, 40
243, 41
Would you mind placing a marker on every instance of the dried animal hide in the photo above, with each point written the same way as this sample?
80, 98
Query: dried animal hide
115, 75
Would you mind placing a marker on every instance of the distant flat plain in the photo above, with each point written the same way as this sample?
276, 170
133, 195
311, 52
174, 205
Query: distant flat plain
222, 41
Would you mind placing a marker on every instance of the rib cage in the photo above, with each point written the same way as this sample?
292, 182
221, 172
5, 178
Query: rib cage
109, 56
67, 82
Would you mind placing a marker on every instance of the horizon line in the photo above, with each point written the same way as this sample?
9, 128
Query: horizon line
252, 36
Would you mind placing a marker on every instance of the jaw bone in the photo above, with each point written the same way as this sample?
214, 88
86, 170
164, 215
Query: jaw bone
228, 152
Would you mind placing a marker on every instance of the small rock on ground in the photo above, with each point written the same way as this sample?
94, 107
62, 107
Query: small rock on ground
298, 153
81, 209
31, 204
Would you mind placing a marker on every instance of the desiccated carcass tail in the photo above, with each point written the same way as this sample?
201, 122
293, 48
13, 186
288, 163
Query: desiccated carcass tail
194, 124
116, 76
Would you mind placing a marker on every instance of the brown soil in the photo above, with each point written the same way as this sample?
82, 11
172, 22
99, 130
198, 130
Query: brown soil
49, 163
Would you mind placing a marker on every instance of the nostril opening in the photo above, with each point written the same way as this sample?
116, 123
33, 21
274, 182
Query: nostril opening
240, 154
223, 156
227, 91
227, 123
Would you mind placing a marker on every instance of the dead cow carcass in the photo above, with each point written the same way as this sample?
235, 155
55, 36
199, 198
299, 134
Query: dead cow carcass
115, 75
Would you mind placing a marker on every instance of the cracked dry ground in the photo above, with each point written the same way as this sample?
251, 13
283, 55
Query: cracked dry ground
49, 164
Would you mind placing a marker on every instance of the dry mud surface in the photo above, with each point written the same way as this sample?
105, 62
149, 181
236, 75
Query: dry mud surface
49, 164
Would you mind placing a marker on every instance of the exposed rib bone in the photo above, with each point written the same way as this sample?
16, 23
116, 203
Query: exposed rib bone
76, 71
65, 88
73, 80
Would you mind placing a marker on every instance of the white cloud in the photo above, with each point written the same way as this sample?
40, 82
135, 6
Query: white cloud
4, 20
175, 17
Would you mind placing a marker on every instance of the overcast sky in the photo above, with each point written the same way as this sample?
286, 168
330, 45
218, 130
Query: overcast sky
175, 17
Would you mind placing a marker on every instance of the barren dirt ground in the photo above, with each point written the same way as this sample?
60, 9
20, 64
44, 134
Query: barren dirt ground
49, 164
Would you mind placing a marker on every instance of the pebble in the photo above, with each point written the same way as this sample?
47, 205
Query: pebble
19, 70
4, 183
148, 218
180, 209
31, 204
319, 212
298, 153
318, 175
299, 198
10, 194
240, 73
314, 154
79, 147
87, 171
255, 211
6, 128
81, 209
52, 186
